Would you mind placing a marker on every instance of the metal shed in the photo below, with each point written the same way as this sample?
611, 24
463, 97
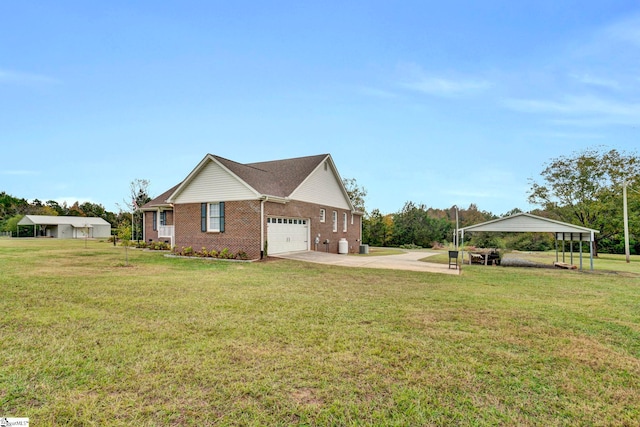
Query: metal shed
67, 227
528, 223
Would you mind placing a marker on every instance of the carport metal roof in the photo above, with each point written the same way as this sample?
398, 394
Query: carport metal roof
75, 221
528, 223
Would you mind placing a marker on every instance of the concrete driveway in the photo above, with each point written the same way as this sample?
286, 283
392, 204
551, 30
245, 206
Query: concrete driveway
405, 261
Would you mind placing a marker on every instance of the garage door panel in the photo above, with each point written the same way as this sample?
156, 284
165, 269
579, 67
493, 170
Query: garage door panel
287, 235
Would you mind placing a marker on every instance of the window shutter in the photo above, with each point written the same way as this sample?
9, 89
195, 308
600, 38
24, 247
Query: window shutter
203, 217
222, 217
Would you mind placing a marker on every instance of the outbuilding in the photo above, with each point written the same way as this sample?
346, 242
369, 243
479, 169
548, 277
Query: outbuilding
67, 227
528, 223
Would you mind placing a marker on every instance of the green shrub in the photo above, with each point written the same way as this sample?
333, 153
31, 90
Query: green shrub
226, 254
159, 246
204, 253
188, 251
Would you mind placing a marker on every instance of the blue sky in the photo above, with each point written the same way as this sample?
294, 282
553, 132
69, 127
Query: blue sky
439, 103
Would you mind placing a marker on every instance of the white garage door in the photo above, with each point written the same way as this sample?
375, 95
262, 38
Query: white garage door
287, 235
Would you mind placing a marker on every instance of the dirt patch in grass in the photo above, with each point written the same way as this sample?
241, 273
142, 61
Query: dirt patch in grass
306, 396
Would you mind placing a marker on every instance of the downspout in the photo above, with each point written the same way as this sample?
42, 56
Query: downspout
361, 242
173, 233
262, 228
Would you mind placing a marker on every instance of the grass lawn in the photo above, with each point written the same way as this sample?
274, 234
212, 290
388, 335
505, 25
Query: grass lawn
86, 340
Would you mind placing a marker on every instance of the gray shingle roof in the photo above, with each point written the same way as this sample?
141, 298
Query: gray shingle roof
161, 200
272, 178
277, 177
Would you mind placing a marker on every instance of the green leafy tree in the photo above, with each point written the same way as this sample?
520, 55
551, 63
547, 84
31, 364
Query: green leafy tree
93, 209
357, 194
10, 206
55, 206
11, 224
124, 234
472, 216
586, 189
75, 210
413, 225
377, 228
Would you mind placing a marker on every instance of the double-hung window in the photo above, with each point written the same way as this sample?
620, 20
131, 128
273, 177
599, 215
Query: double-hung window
212, 217
344, 222
163, 218
322, 215
335, 221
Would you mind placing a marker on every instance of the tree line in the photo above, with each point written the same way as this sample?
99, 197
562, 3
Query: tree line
12, 209
584, 189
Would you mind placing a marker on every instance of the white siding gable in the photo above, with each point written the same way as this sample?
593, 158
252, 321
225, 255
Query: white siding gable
322, 187
214, 183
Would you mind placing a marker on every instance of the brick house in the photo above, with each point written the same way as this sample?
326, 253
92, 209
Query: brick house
267, 207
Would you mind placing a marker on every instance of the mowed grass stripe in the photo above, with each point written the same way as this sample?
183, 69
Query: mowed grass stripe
87, 340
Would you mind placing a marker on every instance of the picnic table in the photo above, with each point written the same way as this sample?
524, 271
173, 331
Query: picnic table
488, 257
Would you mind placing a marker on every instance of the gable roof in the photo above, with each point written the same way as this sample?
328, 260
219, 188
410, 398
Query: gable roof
74, 221
526, 222
161, 200
275, 178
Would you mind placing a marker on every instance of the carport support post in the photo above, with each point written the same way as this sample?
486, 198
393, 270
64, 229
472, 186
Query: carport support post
625, 217
571, 247
580, 251
591, 249
461, 248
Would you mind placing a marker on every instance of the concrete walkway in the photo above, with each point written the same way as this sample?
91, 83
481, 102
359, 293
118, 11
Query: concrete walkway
405, 261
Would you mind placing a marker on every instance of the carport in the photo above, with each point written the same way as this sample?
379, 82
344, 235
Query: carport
67, 227
528, 223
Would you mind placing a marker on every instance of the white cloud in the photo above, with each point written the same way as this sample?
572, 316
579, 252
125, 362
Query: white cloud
18, 172
413, 77
377, 93
569, 135
440, 86
581, 109
626, 30
14, 77
587, 79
